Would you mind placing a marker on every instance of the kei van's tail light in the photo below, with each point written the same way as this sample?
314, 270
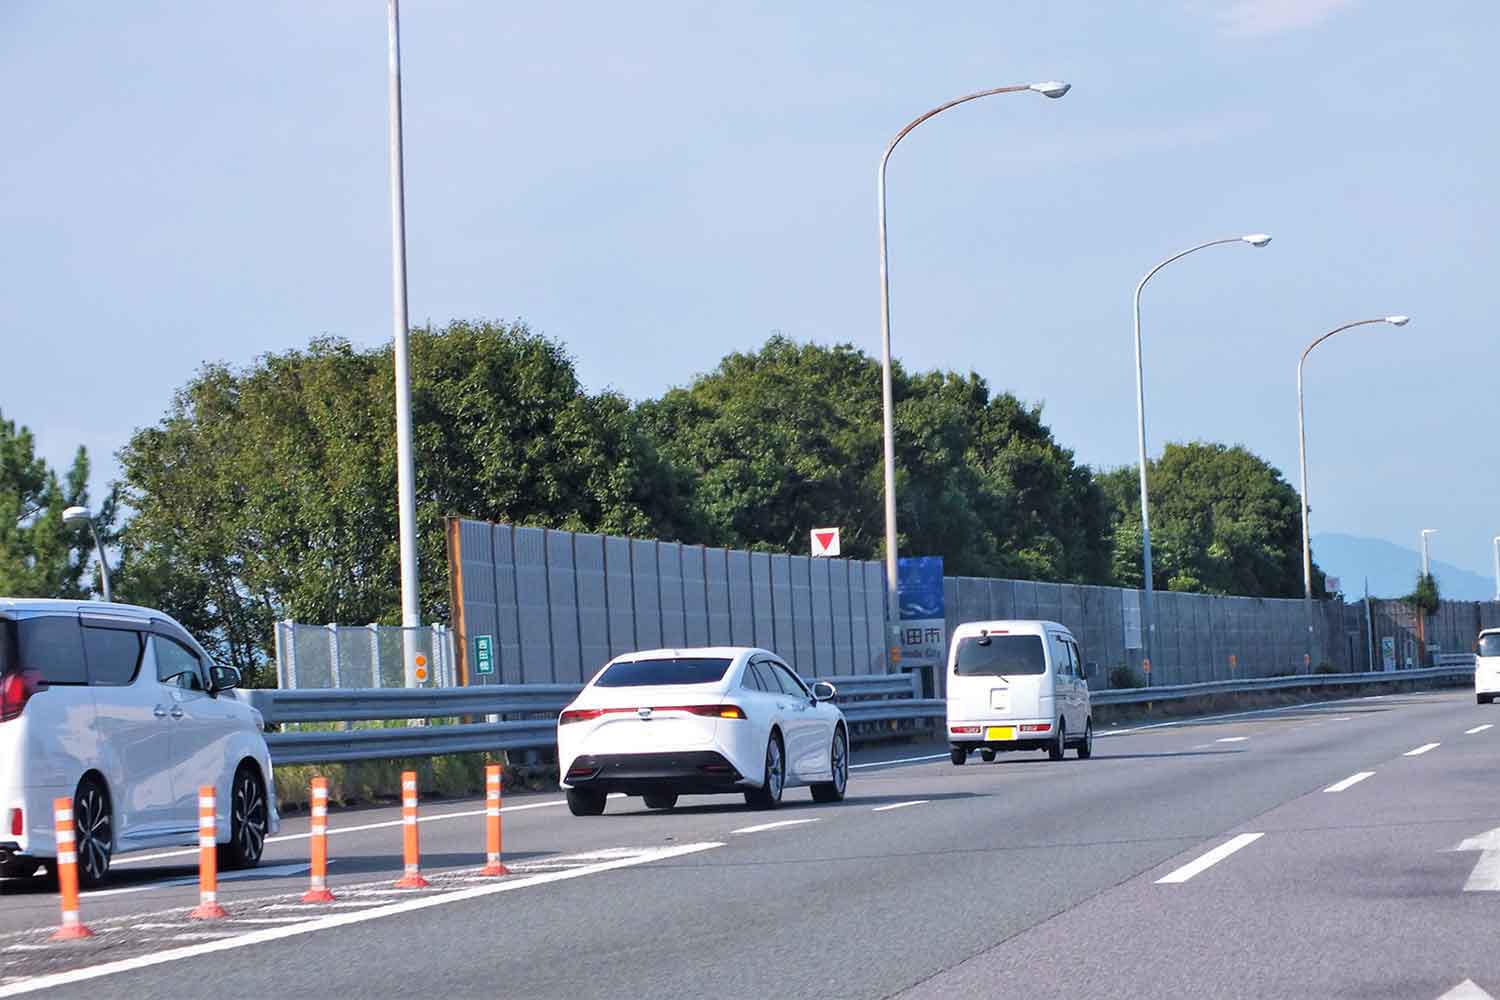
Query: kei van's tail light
964, 730
1036, 727
16, 690
17, 823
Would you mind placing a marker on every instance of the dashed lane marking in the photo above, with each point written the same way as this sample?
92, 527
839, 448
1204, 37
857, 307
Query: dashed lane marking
900, 805
1232, 739
1348, 782
1207, 861
1419, 751
1479, 729
773, 826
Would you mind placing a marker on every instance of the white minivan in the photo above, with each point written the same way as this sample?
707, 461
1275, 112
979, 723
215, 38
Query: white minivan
119, 709
1487, 666
1017, 685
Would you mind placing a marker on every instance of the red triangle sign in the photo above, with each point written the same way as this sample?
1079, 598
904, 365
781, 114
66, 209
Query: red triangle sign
825, 538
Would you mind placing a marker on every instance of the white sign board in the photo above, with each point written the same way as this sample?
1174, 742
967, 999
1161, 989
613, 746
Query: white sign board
825, 541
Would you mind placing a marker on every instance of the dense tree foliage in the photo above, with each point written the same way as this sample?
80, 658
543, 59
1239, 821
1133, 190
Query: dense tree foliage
1223, 521
40, 556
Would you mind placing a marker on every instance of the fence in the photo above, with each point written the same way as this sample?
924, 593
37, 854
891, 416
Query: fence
359, 656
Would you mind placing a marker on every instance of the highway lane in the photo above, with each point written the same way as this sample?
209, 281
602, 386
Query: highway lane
939, 878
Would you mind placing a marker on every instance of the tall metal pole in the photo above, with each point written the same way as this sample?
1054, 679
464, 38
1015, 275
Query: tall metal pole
1302, 458
103, 564
411, 610
888, 410
1496, 545
1148, 628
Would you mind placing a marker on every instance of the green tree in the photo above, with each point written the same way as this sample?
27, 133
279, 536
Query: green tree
270, 492
40, 556
789, 438
1223, 521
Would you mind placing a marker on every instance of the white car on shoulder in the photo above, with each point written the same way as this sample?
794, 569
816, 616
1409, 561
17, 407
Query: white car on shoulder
1487, 666
670, 722
118, 708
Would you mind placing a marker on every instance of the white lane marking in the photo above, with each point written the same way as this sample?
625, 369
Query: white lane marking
900, 805
1417, 752
1467, 990
1210, 859
1341, 718
339, 920
772, 826
899, 760
1349, 782
1479, 729
334, 830
1232, 739
173, 883
1486, 874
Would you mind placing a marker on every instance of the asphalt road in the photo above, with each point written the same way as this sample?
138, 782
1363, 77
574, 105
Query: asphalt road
1200, 859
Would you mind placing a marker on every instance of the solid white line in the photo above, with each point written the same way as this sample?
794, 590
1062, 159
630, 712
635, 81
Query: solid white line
337, 920
1421, 749
1210, 859
1348, 782
772, 826
900, 805
1478, 729
1232, 739
335, 830
276, 871
900, 760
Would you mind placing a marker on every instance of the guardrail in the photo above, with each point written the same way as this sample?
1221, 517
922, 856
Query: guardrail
865, 700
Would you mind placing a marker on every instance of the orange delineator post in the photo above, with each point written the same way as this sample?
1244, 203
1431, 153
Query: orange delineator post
317, 890
411, 848
492, 780
67, 871
208, 859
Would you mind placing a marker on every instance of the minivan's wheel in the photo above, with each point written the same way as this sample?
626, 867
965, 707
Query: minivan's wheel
660, 800
958, 755
1086, 748
838, 758
93, 832
1055, 751
987, 755
768, 795
249, 820
585, 802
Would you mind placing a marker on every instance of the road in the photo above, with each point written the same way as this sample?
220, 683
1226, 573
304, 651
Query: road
1303, 852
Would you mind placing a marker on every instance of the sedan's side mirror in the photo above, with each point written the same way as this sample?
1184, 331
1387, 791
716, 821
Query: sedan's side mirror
824, 691
221, 678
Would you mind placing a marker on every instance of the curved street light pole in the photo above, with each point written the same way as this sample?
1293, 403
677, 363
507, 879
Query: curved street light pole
1149, 626
1053, 89
1495, 544
1302, 460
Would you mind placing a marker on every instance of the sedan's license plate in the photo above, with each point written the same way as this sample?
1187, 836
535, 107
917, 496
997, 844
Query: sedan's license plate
1000, 733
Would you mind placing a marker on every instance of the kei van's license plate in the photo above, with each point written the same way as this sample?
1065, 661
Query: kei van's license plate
1000, 733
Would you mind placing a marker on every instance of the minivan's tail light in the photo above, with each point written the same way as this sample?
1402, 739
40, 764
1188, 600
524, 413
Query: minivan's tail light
16, 690
17, 823
1036, 727
963, 730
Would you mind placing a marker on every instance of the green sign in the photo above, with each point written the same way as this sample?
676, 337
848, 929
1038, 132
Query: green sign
484, 654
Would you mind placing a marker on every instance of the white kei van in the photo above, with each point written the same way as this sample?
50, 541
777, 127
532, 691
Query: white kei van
1017, 685
1487, 666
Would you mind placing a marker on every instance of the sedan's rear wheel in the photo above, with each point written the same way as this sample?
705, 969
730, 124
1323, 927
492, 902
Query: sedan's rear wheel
660, 800
249, 820
838, 759
93, 832
768, 795
585, 802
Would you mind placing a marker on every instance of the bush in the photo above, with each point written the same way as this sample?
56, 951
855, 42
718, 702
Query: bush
1123, 677
1326, 668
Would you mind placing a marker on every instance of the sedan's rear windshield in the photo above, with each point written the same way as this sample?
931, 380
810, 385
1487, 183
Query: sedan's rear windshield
643, 673
1000, 655
1489, 645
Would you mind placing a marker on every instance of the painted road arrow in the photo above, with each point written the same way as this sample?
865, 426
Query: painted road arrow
1467, 990
1486, 874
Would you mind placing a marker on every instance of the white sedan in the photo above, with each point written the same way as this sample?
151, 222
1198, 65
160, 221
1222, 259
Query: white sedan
670, 722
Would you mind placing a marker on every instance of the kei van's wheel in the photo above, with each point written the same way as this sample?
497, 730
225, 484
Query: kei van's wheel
958, 755
838, 759
93, 832
987, 755
1086, 748
773, 782
249, 820
1055, 750
660, 800
585, 802
1484, 699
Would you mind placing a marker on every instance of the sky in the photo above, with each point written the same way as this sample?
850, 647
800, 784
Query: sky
659, 185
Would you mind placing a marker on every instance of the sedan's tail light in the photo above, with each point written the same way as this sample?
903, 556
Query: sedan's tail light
16, 690
579, 715
711, 711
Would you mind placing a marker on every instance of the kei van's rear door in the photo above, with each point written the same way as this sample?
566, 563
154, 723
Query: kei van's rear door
999, 676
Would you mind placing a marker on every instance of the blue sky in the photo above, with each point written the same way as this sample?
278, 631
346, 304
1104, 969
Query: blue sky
657, 185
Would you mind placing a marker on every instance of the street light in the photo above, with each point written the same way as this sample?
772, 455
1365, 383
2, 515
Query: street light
1302, 458
1050, 88
1253, 239
406, 503
77, 517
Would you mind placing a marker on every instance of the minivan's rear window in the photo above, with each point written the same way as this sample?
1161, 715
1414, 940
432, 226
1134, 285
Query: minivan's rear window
1000, 655
50, 644
1489, 645
641, 673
